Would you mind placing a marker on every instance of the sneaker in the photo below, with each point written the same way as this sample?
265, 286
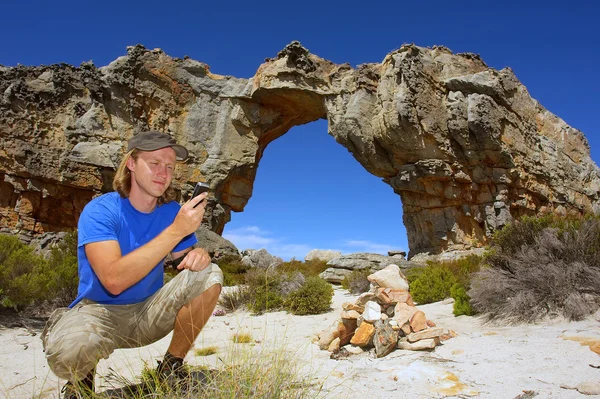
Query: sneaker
174, 372
81, 389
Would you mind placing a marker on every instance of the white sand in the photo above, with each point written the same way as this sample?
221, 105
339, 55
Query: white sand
482, 361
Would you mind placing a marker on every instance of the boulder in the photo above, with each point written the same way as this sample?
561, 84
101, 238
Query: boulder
424, 344
363, 335
335, 276
385, 338
216, 245
322, 254
261, 259
367, 261
372, 312
389, 277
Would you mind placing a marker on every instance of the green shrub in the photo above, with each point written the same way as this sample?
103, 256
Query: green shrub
63, 266
273, 288
434, 282
356, 282
22, 274
28, 280
313, 297
541, 267
462, 304
431, 283
233, 270
265, 299
312, 267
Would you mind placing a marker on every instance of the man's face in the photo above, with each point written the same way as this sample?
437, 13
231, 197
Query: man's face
153, 171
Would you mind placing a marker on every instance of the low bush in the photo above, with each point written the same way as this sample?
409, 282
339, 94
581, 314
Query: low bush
441, 280
312, 267
431, 283
462, 305
313, 297
23, 274
31, 281
63, 263
235, 298
356, 282
538, 268
233, 270
277, 288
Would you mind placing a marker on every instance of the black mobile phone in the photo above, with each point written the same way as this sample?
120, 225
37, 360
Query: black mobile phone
200, 188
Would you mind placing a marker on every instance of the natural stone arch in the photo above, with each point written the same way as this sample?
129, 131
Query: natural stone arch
464, 146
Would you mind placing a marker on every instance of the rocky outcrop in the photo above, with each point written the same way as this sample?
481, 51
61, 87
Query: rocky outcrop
261, 259
463, 145
322, 254
216, 245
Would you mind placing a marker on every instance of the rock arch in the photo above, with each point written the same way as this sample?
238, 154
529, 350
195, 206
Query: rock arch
464, 146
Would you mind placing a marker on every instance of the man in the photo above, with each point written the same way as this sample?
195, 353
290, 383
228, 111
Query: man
123, 239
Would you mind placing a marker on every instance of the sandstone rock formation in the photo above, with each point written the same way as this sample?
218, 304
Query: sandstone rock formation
463, 145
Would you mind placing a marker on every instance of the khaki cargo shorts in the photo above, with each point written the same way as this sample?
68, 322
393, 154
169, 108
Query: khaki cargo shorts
74, 340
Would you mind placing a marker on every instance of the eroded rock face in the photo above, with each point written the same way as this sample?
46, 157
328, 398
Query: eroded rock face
464, 146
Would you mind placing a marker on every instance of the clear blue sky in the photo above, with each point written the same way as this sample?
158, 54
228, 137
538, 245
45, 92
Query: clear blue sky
310, 192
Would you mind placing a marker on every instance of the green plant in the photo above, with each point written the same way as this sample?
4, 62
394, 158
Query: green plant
28, 280
313, 297
63, 266
312, 267
431, 283
22, 274
462, 305
356, 282
265, 299
434, 282
233, 270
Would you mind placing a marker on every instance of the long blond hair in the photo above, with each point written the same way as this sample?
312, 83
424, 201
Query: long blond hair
122, 180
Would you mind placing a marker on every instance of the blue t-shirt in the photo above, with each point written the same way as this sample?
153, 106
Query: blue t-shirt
111, 217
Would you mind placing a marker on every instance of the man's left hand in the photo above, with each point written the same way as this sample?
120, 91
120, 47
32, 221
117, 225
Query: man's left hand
195, 260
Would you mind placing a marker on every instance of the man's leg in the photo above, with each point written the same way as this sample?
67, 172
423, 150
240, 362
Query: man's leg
191, 318
77, 339
183, 305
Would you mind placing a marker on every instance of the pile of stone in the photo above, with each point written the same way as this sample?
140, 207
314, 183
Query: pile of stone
385, 318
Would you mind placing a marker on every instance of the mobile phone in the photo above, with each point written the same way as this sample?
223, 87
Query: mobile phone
200, 188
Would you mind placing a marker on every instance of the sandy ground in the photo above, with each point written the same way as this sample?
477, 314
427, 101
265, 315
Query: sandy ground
483, 361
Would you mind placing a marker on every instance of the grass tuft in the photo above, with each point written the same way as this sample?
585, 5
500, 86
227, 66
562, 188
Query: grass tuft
206, 351
242, 338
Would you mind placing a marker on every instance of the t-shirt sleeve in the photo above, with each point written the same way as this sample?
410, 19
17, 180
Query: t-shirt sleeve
187, 242
97, 223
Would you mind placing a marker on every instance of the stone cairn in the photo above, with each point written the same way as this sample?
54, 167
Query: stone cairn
385, 318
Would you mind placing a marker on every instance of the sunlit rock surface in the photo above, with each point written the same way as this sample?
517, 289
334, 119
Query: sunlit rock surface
463, 145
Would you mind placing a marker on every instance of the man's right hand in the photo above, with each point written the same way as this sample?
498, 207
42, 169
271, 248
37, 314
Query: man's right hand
190, 215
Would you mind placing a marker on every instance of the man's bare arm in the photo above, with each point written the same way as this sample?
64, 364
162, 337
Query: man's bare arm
117, 272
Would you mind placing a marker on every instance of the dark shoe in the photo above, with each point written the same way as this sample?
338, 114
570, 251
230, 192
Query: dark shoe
79, 389
175, 373
171, 368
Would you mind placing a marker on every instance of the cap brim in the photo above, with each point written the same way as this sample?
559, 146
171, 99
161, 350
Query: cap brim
180, 151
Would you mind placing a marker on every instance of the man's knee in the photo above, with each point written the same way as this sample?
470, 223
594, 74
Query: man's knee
71, 356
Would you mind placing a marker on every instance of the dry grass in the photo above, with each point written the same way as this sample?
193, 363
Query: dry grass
206, 351
242, 338
554, 270
245, 373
